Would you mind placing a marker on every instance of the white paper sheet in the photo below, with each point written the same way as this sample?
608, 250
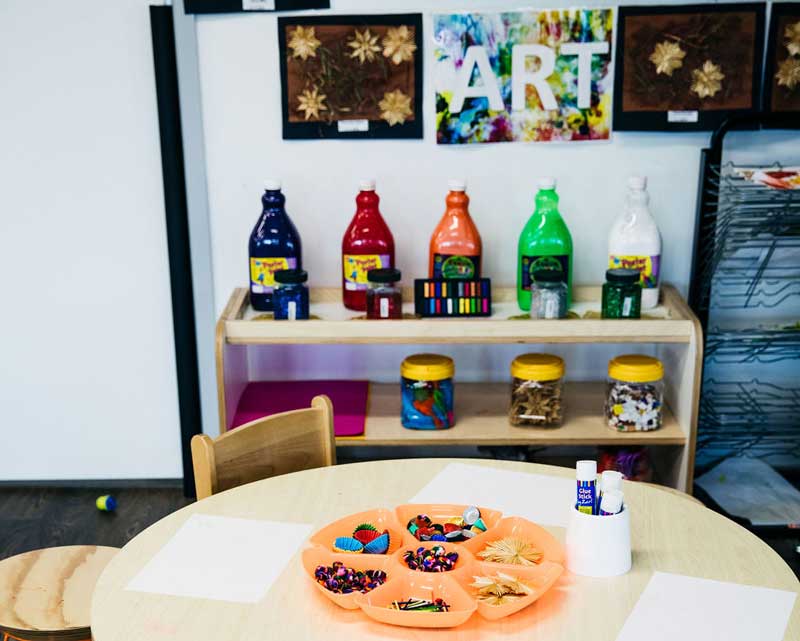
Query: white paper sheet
542, 499
221, 558
753, 490
674, 606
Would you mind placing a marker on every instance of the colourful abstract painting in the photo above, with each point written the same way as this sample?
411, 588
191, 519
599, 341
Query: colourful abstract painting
526, 76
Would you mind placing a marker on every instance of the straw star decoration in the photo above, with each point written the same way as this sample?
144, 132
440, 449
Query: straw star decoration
364, 45
499, 589
789, 73
303, 43
667, 57
707, 80
395, 107
398, 44
311, 103
512, 551
792, 35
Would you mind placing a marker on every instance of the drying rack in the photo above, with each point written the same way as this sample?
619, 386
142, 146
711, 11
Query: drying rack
745, 290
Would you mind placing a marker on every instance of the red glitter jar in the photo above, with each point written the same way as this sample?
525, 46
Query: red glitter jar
384, 298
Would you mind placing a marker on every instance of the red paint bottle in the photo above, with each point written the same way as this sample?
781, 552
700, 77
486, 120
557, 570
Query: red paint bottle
367, 244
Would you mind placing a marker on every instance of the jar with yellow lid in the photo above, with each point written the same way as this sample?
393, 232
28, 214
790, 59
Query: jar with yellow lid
635, 393
427, 392
536, 391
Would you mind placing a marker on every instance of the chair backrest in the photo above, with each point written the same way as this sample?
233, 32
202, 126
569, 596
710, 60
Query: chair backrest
270, 446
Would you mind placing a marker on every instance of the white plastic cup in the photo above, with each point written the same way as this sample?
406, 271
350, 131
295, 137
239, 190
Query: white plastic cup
599, 546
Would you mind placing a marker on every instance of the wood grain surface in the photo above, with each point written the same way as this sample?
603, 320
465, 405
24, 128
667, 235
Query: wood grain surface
50, 590
669, 533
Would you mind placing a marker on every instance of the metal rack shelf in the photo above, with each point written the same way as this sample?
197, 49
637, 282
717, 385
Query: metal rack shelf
751, 346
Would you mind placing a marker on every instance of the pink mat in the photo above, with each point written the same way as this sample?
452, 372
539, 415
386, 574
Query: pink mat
349, 400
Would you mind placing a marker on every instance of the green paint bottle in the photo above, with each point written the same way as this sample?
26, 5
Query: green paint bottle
545, 243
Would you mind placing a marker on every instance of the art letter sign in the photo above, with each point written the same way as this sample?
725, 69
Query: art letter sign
532, 76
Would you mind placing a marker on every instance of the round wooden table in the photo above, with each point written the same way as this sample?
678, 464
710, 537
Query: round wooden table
669, 533
45, 594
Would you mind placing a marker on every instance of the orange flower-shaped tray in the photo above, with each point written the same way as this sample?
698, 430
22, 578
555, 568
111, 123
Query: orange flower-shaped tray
453, 586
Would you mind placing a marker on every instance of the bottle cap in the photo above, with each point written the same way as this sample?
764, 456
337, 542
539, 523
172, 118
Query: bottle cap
637, 182
586, 471
427, 367
537, 367
386, 275
457, 184
366, 184
290, 276
611, 481
549, 276
622, 275
547, 182
635, 368
611, 501
272, 184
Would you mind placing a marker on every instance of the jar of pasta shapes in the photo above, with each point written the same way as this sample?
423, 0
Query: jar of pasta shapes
536, 391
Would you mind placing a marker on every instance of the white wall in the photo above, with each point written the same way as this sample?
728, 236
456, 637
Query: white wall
242, 116
87, 372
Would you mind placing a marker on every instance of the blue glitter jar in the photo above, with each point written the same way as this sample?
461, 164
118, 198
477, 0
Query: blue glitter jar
426, 382
291, 295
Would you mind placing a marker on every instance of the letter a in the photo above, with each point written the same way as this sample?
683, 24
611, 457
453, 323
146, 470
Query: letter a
488, 89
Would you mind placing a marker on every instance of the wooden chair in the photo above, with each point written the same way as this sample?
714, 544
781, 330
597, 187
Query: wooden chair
270, 446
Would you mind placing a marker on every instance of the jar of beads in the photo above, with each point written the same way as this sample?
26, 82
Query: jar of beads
622, 294
427, 392
635, 393
548, 294
290, 297
536, 398
384, 298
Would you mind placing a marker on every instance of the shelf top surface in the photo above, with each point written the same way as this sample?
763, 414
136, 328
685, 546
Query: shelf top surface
670, 322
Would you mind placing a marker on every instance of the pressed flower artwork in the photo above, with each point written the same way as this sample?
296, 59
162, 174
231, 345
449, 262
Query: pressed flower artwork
351, 76
782, 76
526, 76
687, 67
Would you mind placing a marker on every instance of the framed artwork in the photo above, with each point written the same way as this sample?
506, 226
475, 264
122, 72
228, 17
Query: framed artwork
782, 72
687, 68
351, 76
523, 76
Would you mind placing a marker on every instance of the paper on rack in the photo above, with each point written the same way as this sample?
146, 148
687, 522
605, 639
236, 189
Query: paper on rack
673, 606
221, 558
542, 499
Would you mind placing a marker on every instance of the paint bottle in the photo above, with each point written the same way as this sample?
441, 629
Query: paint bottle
455, 249
634, 241
586, 475
274, 246
611, 503
367, 244
545, 244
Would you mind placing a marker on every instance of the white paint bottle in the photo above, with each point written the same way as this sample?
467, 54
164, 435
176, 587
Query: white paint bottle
635, 243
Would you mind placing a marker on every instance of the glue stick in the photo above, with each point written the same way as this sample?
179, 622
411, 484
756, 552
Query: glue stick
611, 503
586, 475
609, 480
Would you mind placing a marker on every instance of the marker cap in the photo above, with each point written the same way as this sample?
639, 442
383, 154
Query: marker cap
457, 184
586, 471
547, 182
611, 502
611, 480
366, 184
272, 184
638, 183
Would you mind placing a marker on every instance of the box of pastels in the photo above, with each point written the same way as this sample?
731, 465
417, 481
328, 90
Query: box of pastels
433, 566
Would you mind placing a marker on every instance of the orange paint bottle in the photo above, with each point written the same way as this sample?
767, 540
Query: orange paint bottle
456, 249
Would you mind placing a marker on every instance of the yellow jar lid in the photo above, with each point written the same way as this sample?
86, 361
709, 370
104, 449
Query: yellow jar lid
537, 367
427, 367
636, 368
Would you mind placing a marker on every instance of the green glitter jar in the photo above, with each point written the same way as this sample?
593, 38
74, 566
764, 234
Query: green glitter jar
622, 294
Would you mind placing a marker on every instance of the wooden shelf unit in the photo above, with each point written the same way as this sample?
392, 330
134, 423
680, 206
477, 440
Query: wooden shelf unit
481, 407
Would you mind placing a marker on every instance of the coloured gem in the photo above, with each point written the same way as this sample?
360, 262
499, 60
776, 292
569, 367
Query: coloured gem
471, 514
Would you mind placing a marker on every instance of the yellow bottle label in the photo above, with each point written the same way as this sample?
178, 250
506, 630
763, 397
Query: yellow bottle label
262, 272
356, 266
648, 266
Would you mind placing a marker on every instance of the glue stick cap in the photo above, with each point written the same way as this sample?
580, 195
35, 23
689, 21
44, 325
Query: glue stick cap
272, 184
366, 184
611, 502
586, 471
547, 182
611, 480
457, 184
638, 183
